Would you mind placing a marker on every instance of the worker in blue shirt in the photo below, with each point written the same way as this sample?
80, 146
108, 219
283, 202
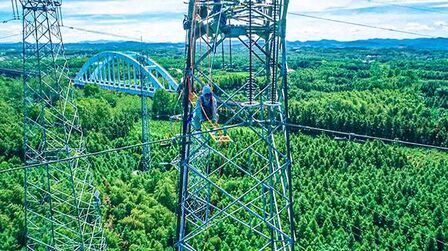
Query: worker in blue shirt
206, 109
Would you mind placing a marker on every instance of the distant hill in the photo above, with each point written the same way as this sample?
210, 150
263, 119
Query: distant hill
419, 43
103, 45
111, 45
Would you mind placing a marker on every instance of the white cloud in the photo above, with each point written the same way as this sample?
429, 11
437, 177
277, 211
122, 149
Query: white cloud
441, 23
418, 27
313, 5
444, 5
5, 5
128, 7
161, 20
154, 31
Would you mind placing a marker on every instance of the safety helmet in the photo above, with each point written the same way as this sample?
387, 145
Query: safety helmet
206, 90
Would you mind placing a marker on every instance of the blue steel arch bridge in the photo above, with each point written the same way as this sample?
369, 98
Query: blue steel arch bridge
129, 72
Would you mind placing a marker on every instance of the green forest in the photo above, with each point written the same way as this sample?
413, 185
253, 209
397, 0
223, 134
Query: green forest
348, 195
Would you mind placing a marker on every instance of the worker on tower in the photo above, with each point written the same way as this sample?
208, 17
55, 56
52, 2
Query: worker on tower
206, 109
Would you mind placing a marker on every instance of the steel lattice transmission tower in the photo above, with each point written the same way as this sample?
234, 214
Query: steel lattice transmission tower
62, 208
256, 111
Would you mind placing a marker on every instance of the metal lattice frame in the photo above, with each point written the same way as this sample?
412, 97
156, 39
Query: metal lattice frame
131, 73
259, 108
62, 208
117, 71
146, 133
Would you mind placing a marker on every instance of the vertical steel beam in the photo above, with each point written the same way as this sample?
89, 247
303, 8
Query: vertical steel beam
184, 158
265, 207
57, 216
145, 117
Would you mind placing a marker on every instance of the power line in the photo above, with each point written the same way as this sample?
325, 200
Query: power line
84, 155
8, 20
350, 135
21, 167
362, 25
360, 136
229, 127
103, 33
9, 36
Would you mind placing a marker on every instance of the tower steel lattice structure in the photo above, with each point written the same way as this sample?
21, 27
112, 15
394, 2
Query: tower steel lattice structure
252, 34
146, 133
132, 73
62, 207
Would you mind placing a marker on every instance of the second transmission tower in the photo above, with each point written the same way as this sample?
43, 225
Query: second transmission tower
62, 207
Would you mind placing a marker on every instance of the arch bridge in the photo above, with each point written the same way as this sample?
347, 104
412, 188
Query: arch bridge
124, 72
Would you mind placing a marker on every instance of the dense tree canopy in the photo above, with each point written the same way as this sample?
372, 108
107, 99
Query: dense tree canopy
348, 195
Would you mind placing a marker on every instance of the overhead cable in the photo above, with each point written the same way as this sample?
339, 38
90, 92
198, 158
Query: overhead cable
103, 33
9, 36
362, 25
114, 149
351, 135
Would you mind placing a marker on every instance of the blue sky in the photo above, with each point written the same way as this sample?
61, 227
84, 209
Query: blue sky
160, 20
